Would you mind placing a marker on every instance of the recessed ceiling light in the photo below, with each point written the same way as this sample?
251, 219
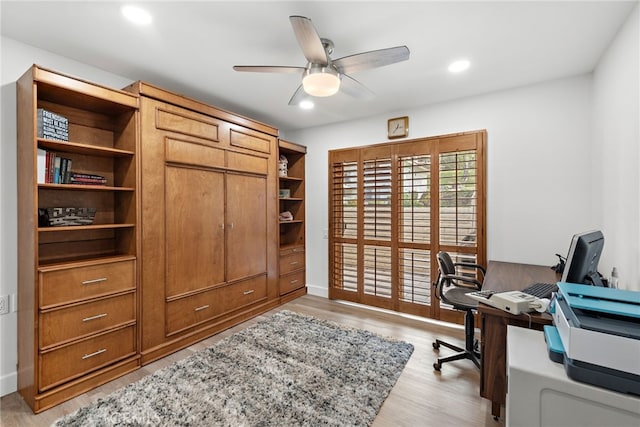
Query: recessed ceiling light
136, 15
306, 104
458, 66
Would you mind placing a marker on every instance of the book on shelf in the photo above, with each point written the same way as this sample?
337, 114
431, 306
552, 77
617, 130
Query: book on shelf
55, 169
87, 179
52, 125
42, 166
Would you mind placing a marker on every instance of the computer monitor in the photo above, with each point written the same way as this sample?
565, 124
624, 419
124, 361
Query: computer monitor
582, 260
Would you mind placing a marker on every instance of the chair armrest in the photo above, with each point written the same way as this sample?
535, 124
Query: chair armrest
465, 279
467, 264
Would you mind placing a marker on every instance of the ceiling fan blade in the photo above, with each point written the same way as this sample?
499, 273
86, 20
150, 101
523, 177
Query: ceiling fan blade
299, 96
372, 59
354, 88
268, 69
309, 40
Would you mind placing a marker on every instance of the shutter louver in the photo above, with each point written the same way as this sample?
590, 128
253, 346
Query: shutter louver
415, 276
415, 198
377, 271
345, 199
458, 199
377, 199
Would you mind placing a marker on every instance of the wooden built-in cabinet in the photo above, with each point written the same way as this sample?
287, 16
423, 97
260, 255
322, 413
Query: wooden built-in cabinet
185, 241
291, 191
210, 239
77, 284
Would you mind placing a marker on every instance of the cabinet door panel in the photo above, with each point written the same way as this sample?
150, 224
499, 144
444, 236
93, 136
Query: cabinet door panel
246, 225
194, 234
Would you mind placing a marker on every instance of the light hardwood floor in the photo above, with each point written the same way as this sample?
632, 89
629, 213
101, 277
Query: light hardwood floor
421, 397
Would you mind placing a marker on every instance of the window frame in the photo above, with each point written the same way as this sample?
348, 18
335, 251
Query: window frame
432, 147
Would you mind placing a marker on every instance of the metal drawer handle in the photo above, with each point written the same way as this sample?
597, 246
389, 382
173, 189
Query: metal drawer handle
86, 356
89, 282
201, 308
97, 316
249, 292
294, 281
293, 263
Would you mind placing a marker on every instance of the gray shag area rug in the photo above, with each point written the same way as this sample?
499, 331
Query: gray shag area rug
287, 370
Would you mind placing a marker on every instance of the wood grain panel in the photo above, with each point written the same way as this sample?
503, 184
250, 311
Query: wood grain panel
246, 226
194, 229
77, 321
293, 262
67, 363
64, 284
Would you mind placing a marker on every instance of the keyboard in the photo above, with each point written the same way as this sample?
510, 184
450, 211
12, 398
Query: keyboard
541, 290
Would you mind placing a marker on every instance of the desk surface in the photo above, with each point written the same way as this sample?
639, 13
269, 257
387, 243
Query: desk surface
505, 276
511, 276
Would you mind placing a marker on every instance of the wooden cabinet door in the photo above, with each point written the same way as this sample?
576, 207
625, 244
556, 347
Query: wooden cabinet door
194, 208
246, 226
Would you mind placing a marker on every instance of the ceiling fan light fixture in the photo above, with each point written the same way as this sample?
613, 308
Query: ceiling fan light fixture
321, 81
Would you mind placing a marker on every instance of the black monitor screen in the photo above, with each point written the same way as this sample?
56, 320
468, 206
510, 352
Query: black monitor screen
582, 260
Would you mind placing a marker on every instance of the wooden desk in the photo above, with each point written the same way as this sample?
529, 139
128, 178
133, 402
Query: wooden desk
505, 276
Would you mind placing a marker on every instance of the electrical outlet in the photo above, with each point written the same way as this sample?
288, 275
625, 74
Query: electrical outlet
4, 304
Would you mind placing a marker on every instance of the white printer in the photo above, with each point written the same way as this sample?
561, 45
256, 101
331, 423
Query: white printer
596, 334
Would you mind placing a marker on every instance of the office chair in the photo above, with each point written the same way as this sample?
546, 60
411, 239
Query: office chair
452, 287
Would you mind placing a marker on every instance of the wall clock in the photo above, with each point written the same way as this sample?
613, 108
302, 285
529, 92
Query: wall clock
398, 127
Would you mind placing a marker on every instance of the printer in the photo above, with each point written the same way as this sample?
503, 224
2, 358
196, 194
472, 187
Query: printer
596, 335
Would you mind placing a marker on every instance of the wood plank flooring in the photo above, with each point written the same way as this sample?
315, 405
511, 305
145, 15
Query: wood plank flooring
421, 397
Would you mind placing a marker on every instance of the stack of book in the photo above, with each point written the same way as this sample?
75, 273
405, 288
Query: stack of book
53, 169
52, 126
87, 179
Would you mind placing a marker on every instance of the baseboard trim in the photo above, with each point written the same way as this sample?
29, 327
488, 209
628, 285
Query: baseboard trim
320, 291
8, 383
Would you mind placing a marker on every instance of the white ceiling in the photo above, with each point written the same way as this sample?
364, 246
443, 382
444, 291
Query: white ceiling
190, 47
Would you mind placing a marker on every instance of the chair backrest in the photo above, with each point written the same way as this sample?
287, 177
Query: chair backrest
446, 263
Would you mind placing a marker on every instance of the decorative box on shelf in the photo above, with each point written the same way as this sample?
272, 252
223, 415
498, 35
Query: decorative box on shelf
62, 217
285, 193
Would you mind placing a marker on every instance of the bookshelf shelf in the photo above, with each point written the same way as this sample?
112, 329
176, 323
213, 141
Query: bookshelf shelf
77, 148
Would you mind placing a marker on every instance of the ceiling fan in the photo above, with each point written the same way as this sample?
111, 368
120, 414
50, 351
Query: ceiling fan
324, 76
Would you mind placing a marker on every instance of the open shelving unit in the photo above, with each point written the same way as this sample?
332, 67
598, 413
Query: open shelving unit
292, 232
67, 274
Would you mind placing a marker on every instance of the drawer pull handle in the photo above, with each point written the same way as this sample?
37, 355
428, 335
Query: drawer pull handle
201, 308
293, 263
97, 316
90, 282
249, 292
87, 356
294, 281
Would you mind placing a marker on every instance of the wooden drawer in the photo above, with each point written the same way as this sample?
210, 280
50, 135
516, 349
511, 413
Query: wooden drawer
291, 282
292, 262
189, 311
290, 250
65, 285
244, 293
66, 324
72, 361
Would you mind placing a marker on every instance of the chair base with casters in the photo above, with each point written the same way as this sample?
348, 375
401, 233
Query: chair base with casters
471, 346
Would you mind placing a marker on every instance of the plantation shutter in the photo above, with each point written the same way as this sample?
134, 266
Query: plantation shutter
344, 213
414, 172
393, 207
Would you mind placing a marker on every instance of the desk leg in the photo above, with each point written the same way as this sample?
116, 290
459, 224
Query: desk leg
493, 377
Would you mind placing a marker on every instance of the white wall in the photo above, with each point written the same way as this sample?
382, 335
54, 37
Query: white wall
616, 106
538, 188
16, 59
